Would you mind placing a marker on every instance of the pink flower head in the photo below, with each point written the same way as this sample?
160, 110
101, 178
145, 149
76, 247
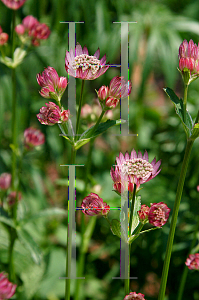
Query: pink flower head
52, 85
49, 115
134, 296
189, 60
29, 22
82, 65
158, 214
3, 37
12, 197
33, 137
117, 89
5, 181
93, 205
20, 29
39, 31
192, 261
7, 288
143, 213
13, 4
133, 169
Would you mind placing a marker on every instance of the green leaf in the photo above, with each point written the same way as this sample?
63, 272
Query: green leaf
49, 212
135, 219
19, 55
116, 230
85, 137
188, 125
195, 132
4, 218
26, 239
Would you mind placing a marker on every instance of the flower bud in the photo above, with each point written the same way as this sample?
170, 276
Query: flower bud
158, 214
33, 137
93, 205
5, 181
103, 93
111, 102
134, 296
7, 288
192, 261
65, 115
143, 213
20, 29
49, 115
3, 38
13, 4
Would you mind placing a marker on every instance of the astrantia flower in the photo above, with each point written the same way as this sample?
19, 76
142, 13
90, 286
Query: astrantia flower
13, 4
7, 288
134, 296
3, 37
192, 261
49, 114
158, 214
5, 181
117, 89
52, 85
82, 65
33, 137
133, 169
93, 205
189, 61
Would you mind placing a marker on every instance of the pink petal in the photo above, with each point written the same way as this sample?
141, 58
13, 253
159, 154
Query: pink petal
97, 53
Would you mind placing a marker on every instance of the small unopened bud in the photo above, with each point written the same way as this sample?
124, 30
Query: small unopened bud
20, 29
143, 213
103, 93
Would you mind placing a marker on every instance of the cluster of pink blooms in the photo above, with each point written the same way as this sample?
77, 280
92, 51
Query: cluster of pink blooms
192, 261
157, 214
117, 89
7, 288
32, 29
52, 114
81, 65
93, 205
13, 4
189, 58
133, 169
33, 137
3, 37
134, 296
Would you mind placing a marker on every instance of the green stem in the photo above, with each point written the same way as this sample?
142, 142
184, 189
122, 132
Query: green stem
174, 219
127, 280
79, 110
185, 272
97, 123
12, 276
132, 208
185, 101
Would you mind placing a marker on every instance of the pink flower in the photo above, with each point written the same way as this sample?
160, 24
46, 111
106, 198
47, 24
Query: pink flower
33, 137
49, 115
158, 214
143, 213
134, 296
39, 31
7, 288
189, 60
65, 115
3, 37
117, 89
13, 4
133, 169
29, 22
20, 29
82, 65
5, 181
52, 85
93, 205
192, 261
12, 197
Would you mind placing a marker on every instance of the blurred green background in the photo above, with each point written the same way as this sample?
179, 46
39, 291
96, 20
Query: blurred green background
153, 61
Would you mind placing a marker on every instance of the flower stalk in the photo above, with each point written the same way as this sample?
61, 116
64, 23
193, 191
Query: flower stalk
174, 219
79, 109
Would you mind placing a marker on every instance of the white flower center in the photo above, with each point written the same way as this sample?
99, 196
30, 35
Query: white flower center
137, 167
85, 61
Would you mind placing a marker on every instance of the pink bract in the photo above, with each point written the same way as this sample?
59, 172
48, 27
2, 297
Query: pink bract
33, 137
7, 288
158, 214
93, 205
82, 65
3, 37
134, 296
5, 181
13, 4
133, 169
143, 213
192, 261
188, 57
